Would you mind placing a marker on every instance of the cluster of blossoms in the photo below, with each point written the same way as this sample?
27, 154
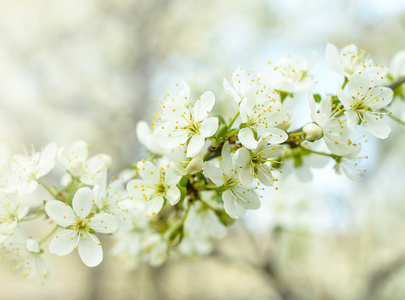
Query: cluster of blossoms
203, 171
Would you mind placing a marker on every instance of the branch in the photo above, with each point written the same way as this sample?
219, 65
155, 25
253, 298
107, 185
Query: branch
380, 276
397, 83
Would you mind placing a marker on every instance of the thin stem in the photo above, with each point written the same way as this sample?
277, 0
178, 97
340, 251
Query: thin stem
295, 134
41, 182
210, 187
233, 120
397, 83
49, 234
231, 133
395, 118
32, 217
317, 152
208, 205
344, 83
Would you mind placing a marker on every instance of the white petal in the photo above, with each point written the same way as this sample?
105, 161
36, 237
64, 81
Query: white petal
47, 161
214, 174
246, 176
103, 223
61, 213
153, 206
64, 242
358, 85
149, 172
230, 91
83, 201
79, 150
312, 106
90, 250
247, 139
379, 97
169, 139
276, 135
171, 177
336, 144
376, 125
226, 158
134, 188
247, 198
195, 145
242, 157
264, 175
208, 127
173, 195
203, 106
352, 121
346, 100
229, 204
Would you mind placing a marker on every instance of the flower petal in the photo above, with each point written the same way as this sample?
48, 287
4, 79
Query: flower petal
64, 242
203, 106
90, 250
352, 121
149, 172
214, 174
153, 206
209, 126
61, 213
242, 157
195, 145
83, 201
247, 139
358, 85
376, 125
173, 195
103, 223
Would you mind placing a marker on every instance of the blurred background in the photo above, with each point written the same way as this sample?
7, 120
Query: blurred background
91, 70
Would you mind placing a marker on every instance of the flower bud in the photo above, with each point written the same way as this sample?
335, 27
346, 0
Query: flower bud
312, 132
195, 165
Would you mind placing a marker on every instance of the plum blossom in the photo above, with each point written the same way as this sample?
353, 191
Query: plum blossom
155, 186
363, 105
24, 171
78, 164
237, 198
79, 226
185, 123
334, 129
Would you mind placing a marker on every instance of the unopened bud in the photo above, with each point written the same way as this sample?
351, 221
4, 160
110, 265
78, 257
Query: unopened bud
312, 132
195, 165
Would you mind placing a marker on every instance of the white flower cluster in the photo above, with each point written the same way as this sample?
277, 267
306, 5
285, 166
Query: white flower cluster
203, 171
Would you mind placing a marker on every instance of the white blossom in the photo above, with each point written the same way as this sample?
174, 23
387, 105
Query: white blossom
291, 76
184, 123
237, 198
363, 105
24, 171
243, 85
80, 225
25, 253
78, 164
201, 226
334, 128
12, 209
348, 61
254, 163
155, 186
261, 117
